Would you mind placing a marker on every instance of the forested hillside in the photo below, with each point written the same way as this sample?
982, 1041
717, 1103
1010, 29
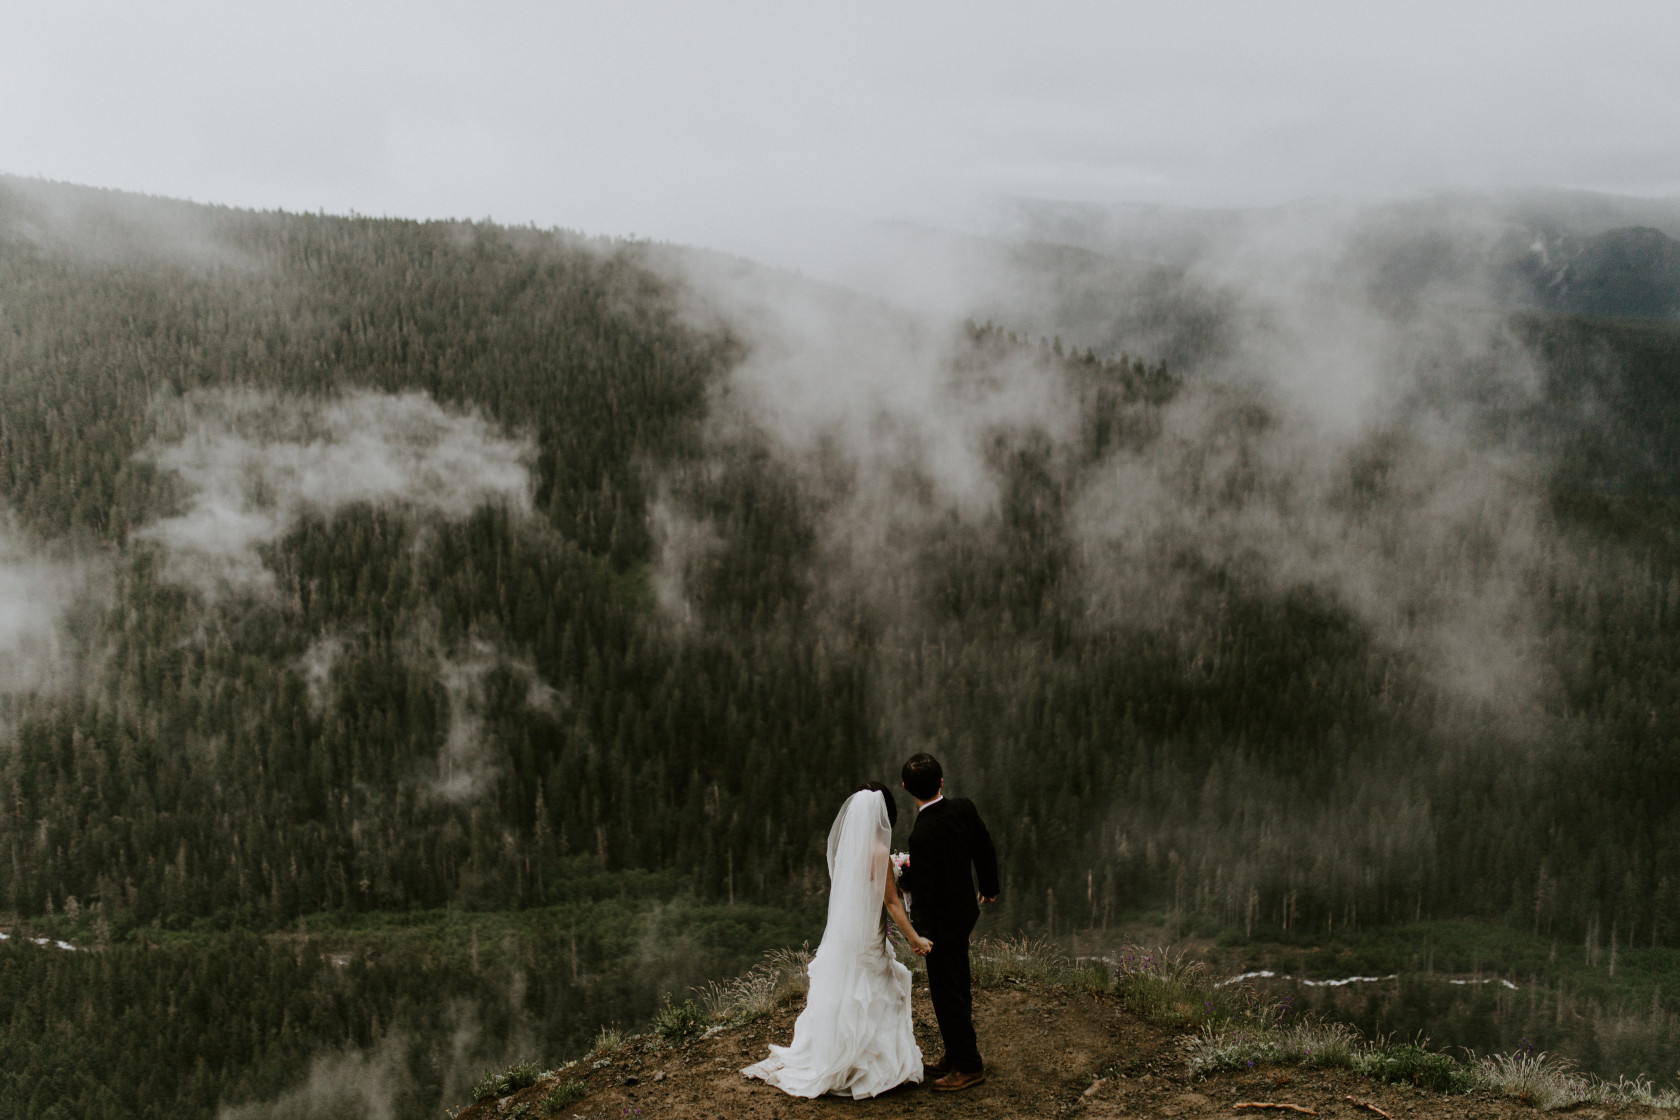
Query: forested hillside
359, 567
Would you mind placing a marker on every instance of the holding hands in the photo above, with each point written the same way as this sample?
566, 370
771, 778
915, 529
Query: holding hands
919, 945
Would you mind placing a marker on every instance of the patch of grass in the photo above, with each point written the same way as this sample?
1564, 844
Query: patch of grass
499, 1083
1636, 1090
609, 1037
1240, 1030
1413, 1064
564, 1095
1552, 1083
774, 981
1256, 1032
1534, 1079
679, 1022
1238, 1045
1170, 990
1025, 960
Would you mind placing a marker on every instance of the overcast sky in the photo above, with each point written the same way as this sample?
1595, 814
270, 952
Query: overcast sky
763, 127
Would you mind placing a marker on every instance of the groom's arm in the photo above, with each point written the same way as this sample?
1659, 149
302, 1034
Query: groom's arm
985, 859
907, 879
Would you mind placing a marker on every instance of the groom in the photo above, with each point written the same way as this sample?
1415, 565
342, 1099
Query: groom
948, 846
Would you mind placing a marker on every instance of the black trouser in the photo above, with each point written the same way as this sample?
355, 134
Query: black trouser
948, 985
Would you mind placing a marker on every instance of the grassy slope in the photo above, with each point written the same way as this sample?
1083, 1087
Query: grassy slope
1153, 1036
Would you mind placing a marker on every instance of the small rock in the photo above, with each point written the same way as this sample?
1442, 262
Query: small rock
1095, 1085
660, 1076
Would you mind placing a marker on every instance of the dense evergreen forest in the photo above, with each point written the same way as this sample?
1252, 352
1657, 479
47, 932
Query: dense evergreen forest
364, 567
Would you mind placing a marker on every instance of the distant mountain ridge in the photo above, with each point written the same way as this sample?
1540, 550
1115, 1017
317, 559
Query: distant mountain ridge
1628, 273
1570, 251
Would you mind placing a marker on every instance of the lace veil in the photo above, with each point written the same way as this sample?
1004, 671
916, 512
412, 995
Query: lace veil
858, 864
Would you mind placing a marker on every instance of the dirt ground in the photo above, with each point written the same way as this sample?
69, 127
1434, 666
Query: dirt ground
1048, 1054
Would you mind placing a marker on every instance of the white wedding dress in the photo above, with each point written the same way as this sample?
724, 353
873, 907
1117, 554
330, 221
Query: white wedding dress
854, 1038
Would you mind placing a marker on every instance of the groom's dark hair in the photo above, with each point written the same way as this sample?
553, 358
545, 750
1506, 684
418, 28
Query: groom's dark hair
892, 802
922, 775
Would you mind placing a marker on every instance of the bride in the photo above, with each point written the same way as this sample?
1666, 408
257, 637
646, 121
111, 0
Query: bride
854, 1038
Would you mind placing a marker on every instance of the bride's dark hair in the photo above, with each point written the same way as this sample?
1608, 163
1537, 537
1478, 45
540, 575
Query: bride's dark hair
892, 802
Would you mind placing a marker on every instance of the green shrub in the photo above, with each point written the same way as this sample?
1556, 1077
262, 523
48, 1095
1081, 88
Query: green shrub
680, 1022
489, 1086
499, 1083
564, 1095
1411, 1064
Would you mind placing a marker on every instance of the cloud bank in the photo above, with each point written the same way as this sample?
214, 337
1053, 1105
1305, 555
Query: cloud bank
253, 464
357, 1083
1334, 432
34, 595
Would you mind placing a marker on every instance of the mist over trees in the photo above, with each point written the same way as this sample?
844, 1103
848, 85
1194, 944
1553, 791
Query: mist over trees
368, 565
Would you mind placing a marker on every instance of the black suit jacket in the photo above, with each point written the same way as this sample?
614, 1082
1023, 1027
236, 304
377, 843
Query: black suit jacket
948, 847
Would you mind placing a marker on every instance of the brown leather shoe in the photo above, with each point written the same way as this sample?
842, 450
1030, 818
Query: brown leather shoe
957, 1079
931, 1070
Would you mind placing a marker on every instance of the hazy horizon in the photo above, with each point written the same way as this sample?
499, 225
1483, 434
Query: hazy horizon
786, 135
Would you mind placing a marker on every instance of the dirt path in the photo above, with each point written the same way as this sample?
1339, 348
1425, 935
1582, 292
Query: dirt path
1048, 1054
